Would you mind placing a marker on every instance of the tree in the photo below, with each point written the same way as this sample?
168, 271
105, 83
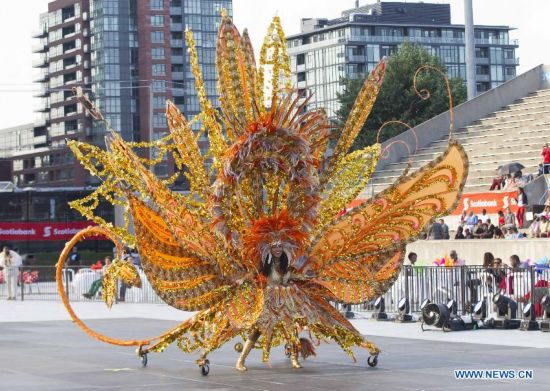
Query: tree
397, 99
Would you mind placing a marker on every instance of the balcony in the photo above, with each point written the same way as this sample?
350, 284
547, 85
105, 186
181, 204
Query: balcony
177, 76
41, 47
40, 33
42, 76
511, 61
176, 27
177, 59
482, 60
356, 58
42, 91
176, 43
483, 78
40, 62
175, 10
42, 106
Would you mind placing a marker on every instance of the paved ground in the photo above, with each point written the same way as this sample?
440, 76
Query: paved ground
56, 355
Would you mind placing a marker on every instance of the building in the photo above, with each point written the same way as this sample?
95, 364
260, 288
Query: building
351, 45
129, 56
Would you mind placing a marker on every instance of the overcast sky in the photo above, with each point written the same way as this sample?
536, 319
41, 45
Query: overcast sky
19, 18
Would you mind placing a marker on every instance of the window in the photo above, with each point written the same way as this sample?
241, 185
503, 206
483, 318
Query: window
157, 36
159, 120
159, 85
159, 70
157, 53
156, 5
157, 20
301, 59
301, 76
159, 102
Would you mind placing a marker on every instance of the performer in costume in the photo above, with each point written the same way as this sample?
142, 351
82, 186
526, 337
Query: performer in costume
263, 250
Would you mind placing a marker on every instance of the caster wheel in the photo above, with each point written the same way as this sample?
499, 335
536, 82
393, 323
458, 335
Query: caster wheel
372, 361
205, 370
144, 360
238, 347
287, 350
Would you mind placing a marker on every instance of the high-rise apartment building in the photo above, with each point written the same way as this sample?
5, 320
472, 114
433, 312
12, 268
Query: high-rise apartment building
129, 56
327, 50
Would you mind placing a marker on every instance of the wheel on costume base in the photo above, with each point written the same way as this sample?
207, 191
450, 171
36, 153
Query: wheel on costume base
288, 350
238, 347
372, 361
144, 359
205, 369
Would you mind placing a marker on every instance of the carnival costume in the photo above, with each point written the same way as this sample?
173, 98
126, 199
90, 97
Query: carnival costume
273, 186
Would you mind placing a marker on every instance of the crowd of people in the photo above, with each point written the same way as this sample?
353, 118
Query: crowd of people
517, 180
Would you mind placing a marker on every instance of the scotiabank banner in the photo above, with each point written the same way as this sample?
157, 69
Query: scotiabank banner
491, 201
12, 231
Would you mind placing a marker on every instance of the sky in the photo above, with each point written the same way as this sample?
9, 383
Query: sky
530, 18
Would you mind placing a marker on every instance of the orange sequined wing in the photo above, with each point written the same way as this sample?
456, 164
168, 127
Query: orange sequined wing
182, 278
359, 254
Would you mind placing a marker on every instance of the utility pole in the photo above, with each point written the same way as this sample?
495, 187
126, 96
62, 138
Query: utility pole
470, 49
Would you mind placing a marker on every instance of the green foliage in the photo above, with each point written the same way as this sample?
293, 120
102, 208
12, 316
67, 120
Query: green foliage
397, 99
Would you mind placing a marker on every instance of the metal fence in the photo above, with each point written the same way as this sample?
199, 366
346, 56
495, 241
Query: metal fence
465, 284
38, 283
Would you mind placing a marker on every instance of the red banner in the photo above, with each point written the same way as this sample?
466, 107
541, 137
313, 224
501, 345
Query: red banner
490, 201
14, 231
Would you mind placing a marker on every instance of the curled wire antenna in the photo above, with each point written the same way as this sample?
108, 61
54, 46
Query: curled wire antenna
386, 151
425, 94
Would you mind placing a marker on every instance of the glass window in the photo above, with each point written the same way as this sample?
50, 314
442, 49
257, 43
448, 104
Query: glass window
157, 53
157, 36
157, 20
159, 70
156, 5
159, 85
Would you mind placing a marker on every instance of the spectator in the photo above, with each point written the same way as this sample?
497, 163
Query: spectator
463, 217
123, 285
512, 234
74, 260
515, 263
10, 262
509, 219
468, 234
498, 271
522, 203
136, 259
459, 233
490, 230
534, 228
498, 182
540, 170
444, 229
456, 261
508, 182
546, 158
97, 283
412, 258
544, 227
436, 231
501, 219
471, 221
484, 216
498, 234
480, 230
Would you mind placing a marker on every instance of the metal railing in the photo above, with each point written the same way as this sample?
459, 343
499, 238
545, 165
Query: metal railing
465, 284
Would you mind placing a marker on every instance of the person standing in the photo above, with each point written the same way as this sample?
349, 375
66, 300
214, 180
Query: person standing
10, 262
444, 229
509, 219
546, 158
522, 203
436, 231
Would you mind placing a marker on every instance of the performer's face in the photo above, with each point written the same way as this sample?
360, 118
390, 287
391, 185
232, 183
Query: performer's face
277, 250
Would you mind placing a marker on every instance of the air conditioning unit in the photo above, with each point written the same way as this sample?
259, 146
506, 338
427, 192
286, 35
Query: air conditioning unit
85, 32
86, 79
84, 16
86, 64
86, 48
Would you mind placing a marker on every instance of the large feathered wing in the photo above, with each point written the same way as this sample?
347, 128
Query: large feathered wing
359, 255
181, 277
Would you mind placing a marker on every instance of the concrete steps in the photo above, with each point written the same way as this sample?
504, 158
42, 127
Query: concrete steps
514, 134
